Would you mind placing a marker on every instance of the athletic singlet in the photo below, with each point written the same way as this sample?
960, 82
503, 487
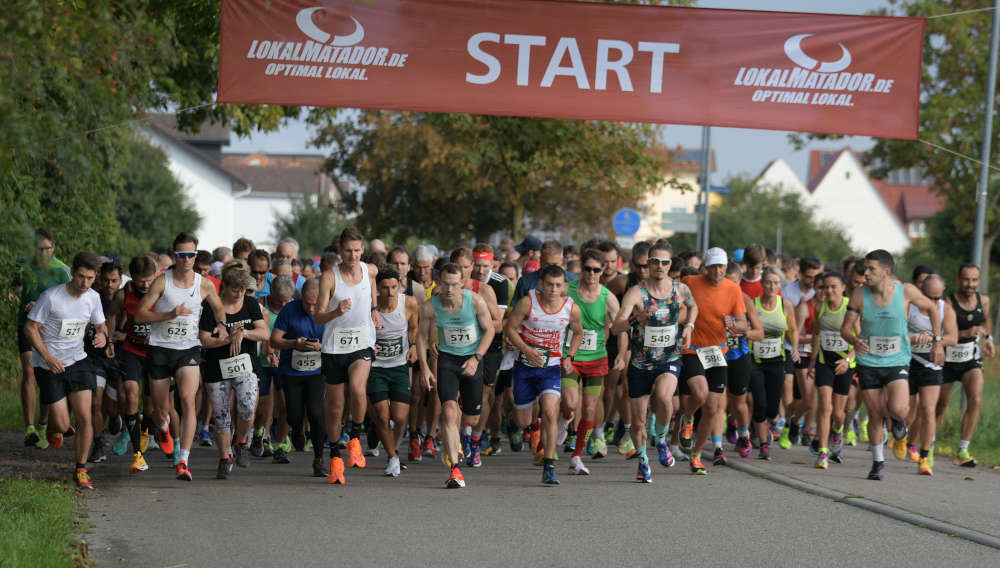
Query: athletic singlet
885, 330
392, 341
458, 333
830, 340
775, 325
354, 330
917, 323
546, 331
136, 334
594, 314
968, 319
807, 326
655, 342
179, 333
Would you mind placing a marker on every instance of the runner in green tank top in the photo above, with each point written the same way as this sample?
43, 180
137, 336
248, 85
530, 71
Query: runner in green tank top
598, 307
883, 347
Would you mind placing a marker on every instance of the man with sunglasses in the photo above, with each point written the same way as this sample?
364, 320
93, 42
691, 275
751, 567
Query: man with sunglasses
598, 308
173, 308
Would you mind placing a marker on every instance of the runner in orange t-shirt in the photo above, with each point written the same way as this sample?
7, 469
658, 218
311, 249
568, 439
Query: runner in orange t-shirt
703, 372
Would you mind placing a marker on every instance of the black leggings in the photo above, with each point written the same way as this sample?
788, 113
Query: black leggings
304, 396
766, 383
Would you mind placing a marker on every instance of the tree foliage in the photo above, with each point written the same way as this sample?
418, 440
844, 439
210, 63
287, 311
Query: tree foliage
453, 176
312, 221
753, 213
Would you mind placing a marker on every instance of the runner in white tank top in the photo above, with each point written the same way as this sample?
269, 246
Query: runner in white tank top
173, 306
349, 314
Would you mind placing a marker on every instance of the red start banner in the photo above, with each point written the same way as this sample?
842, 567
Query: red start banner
745, 69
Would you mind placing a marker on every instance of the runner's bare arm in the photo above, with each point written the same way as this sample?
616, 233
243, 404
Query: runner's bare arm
144, 312
793, 328
852, 317
114, 315
412, 327
988, 348
31, 330
521, 311
496, 314
949, 326
629, 307
913, 295
326, 288
208, 293
755, 329
376, 316
485, 318
426, 324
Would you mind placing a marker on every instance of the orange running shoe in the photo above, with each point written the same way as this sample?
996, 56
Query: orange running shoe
82, 479
355, 457
183, 473
336, 475
415, 450
455, 480
165, 440
55, 440
429, 449
696, 466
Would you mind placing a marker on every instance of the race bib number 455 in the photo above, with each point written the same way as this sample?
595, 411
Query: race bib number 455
305, 361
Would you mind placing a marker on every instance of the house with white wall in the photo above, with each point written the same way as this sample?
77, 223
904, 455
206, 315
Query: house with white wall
685, 167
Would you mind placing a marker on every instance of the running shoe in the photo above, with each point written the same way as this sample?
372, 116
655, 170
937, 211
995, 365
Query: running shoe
55, 440
429, 449
257, 444
821, 460
516, 440
373, 452
731, 435
563, 433
836, 443
466, 444
344, 439
794, 433
120, 445
70, 432
31, 436
913, 452
785, 442
814, 447
643, 475
899, 432
474, 460
143, 441
138, 464
609, 433
600, 449
837, 456
298, 441
205, 438
82, 479
807, 438
280, 456
225, 468
930, 456
318, 469
851, 438
617, 433
392, 470
965, 459
414, 455
354, 456
576, 466
719, 458
876, 472
687, 432
899, 448
97, 454
765, 451
455, 479
242, 454
696, 466
549, 475
744, 446
336, 473
863, 430
494, 447
665, 455
627, 447
925, 466
164, 440
183, 473
570, 443
540, 457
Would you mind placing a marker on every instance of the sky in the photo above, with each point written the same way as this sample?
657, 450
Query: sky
737, 150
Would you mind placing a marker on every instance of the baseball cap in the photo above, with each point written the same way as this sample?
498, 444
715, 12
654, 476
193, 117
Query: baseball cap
715, 255
738, 255
529, 243
532, 266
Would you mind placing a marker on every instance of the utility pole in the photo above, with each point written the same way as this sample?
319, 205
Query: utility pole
982, 192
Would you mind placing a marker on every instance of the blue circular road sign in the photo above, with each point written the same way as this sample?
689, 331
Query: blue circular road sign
626, 222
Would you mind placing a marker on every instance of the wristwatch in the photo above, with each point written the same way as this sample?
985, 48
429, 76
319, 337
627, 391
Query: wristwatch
937, 339
479, 358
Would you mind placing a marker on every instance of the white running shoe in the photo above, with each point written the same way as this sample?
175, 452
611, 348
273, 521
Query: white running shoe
392, 470
576, 466
562, 423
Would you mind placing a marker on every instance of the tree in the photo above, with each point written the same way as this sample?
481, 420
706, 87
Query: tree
953, 88
481, 174
752, 214
313, 222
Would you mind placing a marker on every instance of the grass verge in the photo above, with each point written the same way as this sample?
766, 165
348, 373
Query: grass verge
39, 524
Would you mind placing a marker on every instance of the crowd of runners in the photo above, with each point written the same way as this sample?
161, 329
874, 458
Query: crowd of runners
438, 354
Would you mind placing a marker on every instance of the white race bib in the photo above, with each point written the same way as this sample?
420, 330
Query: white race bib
545, 356
305, 361
922, 349
460, 336
349, 339
660, 337
768, 348
72, 329
237, 366
832, 341
878, 345
180, 329
961, 353
589, 341
711, 357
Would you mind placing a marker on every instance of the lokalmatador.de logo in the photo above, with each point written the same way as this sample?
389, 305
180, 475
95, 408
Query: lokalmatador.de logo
810, 82
324, 55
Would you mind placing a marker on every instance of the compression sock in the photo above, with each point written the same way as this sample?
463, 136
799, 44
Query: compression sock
132, 427
661, 432
717, 442
924, 453
877, 454
184, 455
640, 450
744, 432
963, 445
583, 433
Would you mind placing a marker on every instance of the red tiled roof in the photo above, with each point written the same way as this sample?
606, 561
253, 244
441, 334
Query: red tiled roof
281, 173
909, 202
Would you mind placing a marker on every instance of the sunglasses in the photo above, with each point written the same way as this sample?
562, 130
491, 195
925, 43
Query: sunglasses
642, 266
258, 272
593, 269
186, 255
659, 261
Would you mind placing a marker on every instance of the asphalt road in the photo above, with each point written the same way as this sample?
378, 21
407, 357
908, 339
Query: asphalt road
278, 515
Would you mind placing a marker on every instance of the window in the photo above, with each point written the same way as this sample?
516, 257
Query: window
917, 229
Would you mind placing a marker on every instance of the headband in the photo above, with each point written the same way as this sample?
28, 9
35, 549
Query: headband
483, 255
